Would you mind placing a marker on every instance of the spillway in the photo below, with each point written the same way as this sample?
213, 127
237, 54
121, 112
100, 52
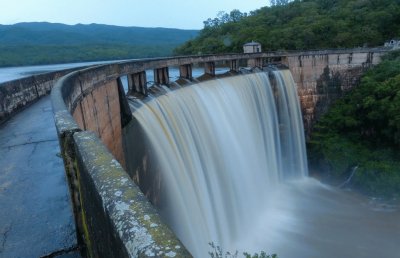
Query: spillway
233, 164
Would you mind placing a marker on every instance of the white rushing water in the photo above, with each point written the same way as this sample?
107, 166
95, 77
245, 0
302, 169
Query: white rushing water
233, 159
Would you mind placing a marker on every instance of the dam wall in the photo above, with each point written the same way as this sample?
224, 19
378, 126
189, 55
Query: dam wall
324, 76
103, 148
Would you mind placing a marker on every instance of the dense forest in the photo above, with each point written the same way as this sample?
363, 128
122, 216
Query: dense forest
46, 43
300, 24
359, 138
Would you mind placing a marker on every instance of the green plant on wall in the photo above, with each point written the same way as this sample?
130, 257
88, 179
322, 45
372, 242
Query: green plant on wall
217, 252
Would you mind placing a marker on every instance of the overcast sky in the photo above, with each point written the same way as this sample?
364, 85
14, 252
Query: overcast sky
185, 14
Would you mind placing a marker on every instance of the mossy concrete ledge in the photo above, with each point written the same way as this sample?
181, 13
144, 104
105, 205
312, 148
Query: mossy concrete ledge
119, 219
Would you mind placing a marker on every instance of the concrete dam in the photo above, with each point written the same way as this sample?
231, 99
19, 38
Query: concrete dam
206, 153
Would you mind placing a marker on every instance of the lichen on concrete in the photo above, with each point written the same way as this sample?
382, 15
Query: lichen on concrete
64, 122
135, 221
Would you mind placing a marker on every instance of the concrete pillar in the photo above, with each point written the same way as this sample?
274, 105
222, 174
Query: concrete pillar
185, 71
209, 68
137, 83
350, 58
284, 60
161, 75
125, 111
234, 65
255, 62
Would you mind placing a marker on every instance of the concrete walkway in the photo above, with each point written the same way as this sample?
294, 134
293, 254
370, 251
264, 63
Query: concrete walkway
36, 217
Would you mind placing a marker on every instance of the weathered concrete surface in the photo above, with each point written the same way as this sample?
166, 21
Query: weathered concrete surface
120, 222
35, 213
17, 94
99, 112
323, 77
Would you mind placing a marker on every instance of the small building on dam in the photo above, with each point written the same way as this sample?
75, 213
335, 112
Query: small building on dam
252, 47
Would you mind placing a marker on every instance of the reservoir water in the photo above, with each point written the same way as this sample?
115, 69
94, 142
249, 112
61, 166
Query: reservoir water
13, 73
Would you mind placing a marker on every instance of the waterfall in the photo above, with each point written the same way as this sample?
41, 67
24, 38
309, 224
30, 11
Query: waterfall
223, 146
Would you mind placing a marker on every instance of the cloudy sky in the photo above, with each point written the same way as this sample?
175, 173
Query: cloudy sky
185, 14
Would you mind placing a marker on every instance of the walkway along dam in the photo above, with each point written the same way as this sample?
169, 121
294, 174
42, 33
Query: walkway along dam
112, 173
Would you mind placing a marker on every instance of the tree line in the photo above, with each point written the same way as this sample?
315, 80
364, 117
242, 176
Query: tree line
55, 54
300, 25
47, 43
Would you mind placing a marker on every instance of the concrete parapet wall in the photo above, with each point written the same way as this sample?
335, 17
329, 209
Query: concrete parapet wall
16, 94
118, 218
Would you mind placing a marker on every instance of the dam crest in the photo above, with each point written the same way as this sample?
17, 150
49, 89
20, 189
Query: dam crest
104, 148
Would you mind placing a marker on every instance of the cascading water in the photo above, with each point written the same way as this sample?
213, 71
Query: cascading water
233, 162
223, 145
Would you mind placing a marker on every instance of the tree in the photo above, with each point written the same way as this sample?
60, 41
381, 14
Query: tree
235, 15
279, 2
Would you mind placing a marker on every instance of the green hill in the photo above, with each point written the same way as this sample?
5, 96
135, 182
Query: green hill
44, 43
307, 24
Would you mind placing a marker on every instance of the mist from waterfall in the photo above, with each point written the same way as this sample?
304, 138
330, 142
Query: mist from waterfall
233, 162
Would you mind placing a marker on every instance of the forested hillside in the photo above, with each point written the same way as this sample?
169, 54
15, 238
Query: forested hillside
45, 43
301, 24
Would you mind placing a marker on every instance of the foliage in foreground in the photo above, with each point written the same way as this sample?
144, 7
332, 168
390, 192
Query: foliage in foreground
217, 252
362, 131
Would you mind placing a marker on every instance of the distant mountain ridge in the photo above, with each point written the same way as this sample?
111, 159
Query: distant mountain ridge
83, 42
43, 33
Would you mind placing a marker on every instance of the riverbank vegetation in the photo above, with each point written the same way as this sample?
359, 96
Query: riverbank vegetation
295, 25
359, 137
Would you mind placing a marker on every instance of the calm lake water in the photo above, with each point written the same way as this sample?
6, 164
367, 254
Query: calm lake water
13, 73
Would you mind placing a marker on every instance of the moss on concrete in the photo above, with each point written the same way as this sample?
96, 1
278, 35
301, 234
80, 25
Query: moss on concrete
83, 220
132, 217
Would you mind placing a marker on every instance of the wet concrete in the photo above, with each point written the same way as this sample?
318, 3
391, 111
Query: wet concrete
36, 216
